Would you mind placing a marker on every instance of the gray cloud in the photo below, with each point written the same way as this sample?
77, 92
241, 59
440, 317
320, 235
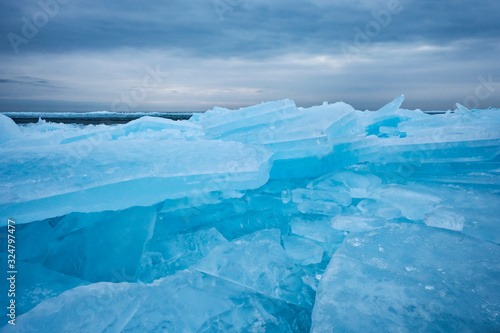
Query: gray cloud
28, 80
433, 51
252, 28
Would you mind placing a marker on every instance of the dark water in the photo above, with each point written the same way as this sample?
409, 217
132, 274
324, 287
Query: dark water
91, 118
106, 118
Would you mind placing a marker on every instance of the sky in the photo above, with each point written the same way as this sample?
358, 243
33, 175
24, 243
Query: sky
178, 55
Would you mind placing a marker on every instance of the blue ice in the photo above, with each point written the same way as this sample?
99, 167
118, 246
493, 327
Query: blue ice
267, 218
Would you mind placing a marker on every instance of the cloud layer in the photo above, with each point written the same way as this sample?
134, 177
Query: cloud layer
90, 55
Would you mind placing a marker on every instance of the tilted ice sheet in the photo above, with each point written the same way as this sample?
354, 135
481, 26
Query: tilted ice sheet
289, 132
36, 284
86, 176
188, 301
259, 263
8, 130
407, 278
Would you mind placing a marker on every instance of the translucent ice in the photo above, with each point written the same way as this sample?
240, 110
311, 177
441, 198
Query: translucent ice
289, 132
143, 173
166, 254
267, 218
8, 129
356, 223
109, 249
408, 278
360, 184
37, 283
188, 301
445, 218
302, 251
258, 262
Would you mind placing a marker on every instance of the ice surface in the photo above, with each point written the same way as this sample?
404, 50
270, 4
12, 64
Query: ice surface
268, 218
408, 278
302, 251
258, 262
188, 301
71, 177
360, 184
109, 249
37, 283
356, 223
8, 129
166, 254
445, 218
289, 132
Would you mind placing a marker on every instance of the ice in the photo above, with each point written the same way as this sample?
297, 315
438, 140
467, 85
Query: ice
169, 129
166, 254
289, 132
336, 193
392, 107
413, 204
446, 218
270, 218
37, 283
371, 207
360, 184
258, 262
302, 251
143, 173
318, 202
220, 122
355, 223
8, 129
317, 230
409, 278
188, 301
108, 249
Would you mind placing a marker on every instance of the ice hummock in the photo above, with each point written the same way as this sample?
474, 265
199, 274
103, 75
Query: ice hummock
267, 218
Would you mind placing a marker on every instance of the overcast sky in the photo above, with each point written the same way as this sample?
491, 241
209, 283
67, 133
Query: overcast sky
179, 55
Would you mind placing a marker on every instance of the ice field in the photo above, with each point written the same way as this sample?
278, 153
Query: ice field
271, 218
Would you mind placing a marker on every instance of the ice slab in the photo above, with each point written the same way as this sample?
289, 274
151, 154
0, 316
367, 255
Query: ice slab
291, 133
166, 254
222, 122
408, 278
259, 263
302, 251
36, 284
446, 218
318, 230
356, 223
360, 184
57, 180
8, 129
142, 127
188, 301
412, 203
108, 249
